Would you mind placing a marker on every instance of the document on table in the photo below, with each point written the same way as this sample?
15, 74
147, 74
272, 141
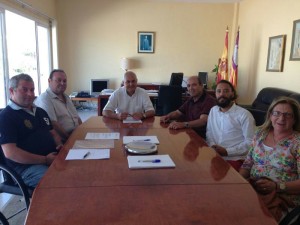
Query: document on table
115, 135
130, 119
151, 139
150, 161
83, 154
94, 143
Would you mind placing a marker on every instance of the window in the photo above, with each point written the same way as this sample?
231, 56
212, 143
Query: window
27, 51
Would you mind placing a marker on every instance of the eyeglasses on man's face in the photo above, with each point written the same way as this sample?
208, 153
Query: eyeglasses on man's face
285, 115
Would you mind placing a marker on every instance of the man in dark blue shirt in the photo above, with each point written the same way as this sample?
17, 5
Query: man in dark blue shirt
27, 138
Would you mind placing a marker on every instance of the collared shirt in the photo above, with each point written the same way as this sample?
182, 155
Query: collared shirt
120, 101
192, 110
59, 111
14, 106
233, 130
29, 130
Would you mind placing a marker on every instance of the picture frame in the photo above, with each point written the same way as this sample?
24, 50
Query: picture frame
295, 46
276, 53
146, 42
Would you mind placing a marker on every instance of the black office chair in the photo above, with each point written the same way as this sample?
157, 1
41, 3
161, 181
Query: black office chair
291, 216
13, 184
169, 99
3, 219
204, 78
176, 79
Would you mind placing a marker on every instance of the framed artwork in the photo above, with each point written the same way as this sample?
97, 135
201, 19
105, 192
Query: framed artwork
276, 53
146, 42
295, 47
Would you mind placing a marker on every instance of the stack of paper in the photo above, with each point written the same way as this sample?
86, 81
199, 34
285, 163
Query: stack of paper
150, 161
102, 135
93, 143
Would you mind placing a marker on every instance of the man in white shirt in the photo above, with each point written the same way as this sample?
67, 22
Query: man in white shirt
58, 105
129, 100
230, 128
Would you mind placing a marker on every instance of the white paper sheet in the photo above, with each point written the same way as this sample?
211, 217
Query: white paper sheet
115, 135
79, 154
150, 161
130, 119
151, 139
94, 143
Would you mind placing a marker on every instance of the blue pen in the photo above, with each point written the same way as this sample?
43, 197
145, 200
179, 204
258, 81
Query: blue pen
151, 160
143, 140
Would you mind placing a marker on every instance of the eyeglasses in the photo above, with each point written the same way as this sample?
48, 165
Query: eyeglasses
285, 115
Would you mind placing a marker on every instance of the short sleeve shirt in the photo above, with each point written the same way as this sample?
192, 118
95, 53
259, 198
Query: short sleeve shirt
30, 132
192, 110
120, 101
59, 111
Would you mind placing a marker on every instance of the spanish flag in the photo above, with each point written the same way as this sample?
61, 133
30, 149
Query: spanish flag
223, 65
234, 64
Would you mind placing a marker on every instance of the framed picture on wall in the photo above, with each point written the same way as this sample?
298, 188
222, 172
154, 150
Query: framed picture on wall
146, 42
276, 53
295, 47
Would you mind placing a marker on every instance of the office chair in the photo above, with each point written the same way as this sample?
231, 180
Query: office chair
13, 184
3, 219
291, 216
176, 79
169, 99
204, 78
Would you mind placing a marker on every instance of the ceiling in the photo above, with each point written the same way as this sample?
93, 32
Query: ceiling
202, 1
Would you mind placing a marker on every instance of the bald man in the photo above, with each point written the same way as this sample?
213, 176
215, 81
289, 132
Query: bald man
129, 100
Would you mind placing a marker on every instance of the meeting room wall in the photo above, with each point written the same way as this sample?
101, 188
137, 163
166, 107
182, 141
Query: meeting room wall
94, 35
259, 20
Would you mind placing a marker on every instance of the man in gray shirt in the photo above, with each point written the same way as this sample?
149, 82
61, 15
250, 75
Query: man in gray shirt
58, 105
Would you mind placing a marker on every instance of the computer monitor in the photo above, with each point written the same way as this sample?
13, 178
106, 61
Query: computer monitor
176, 79
97, 85
204, 78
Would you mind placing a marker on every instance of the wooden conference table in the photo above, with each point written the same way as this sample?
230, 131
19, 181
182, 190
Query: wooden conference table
201, 189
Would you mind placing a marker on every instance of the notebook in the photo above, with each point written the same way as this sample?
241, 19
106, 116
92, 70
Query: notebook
150, 161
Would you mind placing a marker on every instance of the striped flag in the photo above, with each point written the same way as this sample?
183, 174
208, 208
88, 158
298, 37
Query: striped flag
223, 65
234, 64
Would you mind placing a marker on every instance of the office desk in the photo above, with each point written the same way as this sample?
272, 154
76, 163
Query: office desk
93, 99
201, 189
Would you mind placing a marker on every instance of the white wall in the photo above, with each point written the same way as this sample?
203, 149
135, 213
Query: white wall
95, 34
259, 20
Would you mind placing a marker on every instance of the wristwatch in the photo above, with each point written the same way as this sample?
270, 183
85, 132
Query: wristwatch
282, 187
144, 115
186, 124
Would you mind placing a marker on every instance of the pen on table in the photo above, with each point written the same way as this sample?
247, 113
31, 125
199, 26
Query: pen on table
86, 155
151, 160
143, 140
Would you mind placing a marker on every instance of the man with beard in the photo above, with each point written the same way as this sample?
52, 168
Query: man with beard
194, 112
58, 105
230, 128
